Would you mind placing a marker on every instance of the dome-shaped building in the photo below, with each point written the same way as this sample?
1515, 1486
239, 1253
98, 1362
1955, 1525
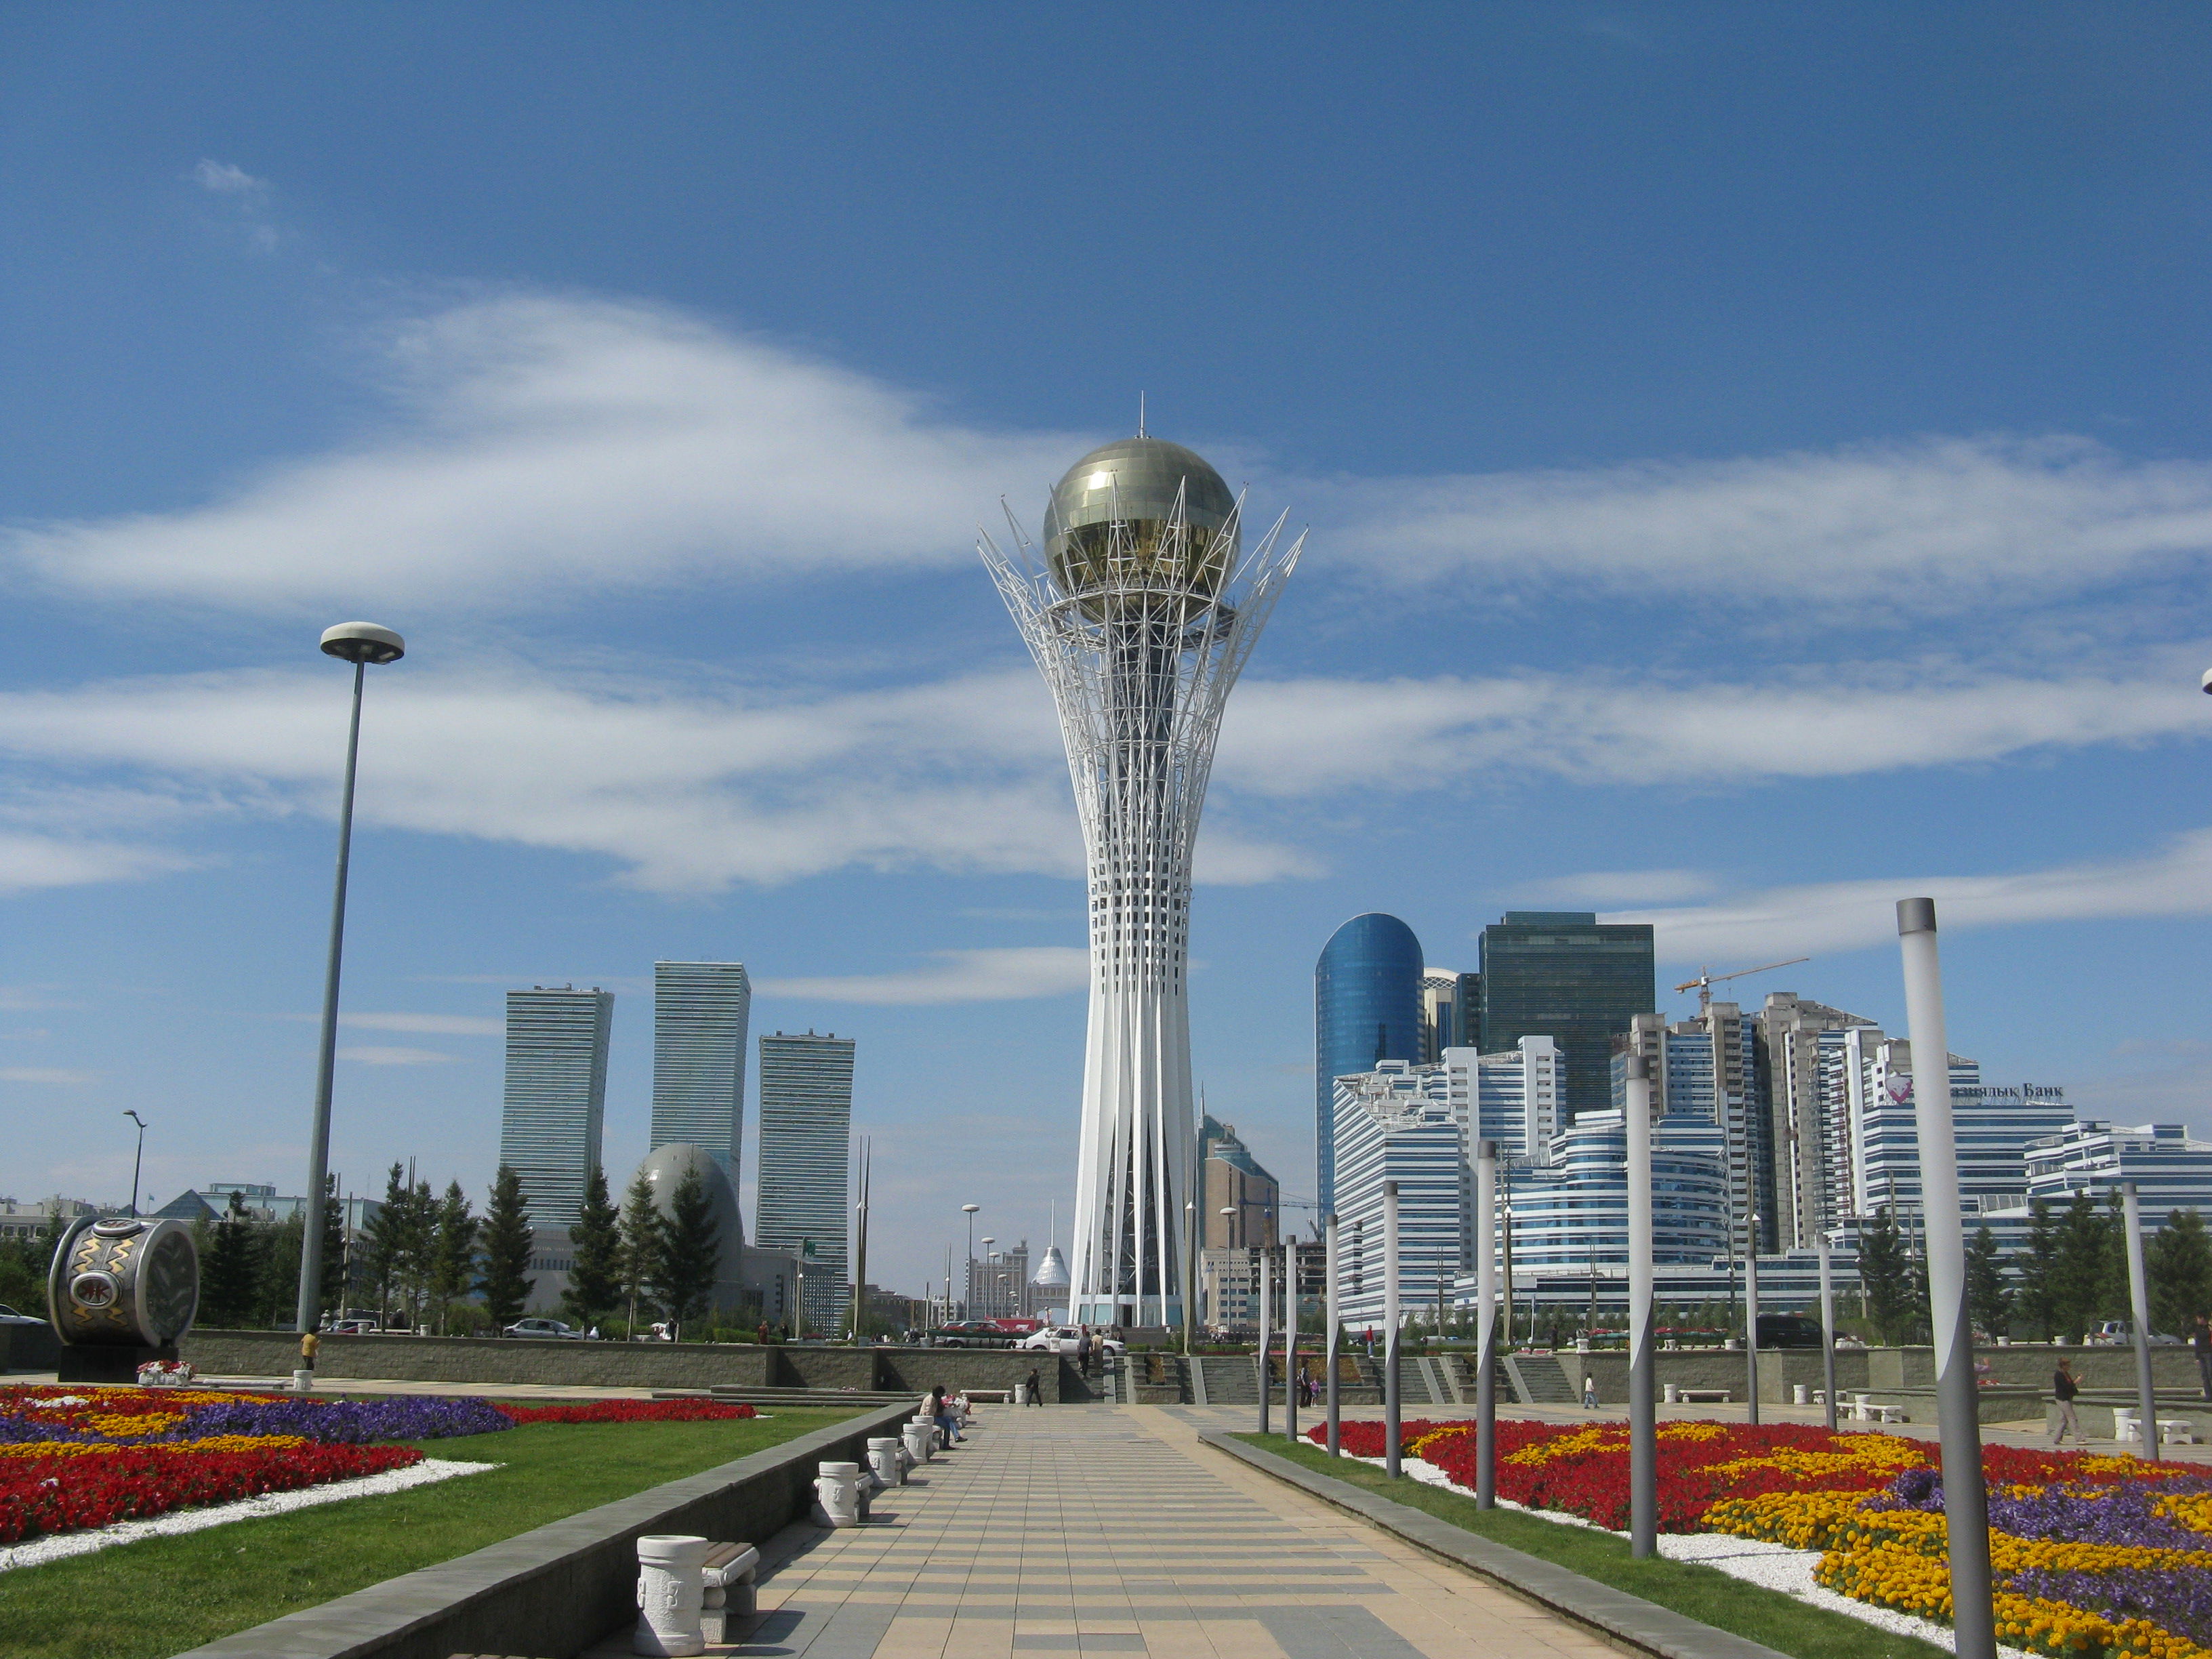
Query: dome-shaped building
1367, 1007
1112, 531
664, 1170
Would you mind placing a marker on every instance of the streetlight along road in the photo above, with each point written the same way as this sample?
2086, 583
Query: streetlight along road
360, 644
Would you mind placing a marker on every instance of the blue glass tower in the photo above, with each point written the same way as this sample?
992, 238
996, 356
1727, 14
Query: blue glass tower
1367, 1006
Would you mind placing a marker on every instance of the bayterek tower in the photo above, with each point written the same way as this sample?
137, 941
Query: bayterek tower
1140, 610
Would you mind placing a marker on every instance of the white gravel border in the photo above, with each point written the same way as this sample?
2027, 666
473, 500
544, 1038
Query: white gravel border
1754, 1560
62, 1545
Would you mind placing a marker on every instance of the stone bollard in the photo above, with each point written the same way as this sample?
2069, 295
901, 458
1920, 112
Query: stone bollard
837, 1495
671, 1591
921, 1439
884, 1459
1021, 1393
1673, 1392
303, 1382
1801, 1394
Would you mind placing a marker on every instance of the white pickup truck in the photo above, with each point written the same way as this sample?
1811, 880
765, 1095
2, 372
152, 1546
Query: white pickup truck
1067, 1339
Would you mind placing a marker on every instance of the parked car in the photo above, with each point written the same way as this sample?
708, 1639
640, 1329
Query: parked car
1787, 1330
2119, 1333
9, 1316
1066, 1339
970, 1333
351, 1327
545, 1329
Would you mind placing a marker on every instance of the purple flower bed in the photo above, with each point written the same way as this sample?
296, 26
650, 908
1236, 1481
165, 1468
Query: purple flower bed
2180, 1601
403, 1417
2073, 1515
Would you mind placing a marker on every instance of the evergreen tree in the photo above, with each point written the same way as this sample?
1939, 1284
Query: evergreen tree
2081, 1268
640, 1246
229, 1271
690, 1247
1885, 1276
2035, 1301
384, 1242
595, 1276
24, 1260
454, 1255
334, 1285
1988, 1297
2178, 1260
277, 1276
507, 1242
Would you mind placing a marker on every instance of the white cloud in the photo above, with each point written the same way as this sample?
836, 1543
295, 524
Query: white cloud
1619, 886
548, 447
379, 1056
1046, 970
1310, 736
228, 179
427, 1025
1848, 915
1938, 524
45, 1074
30, 862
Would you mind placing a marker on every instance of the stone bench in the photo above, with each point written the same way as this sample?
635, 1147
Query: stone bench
1704, 1396
732, 1574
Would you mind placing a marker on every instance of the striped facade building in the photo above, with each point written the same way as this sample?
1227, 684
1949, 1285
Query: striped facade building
806, 1164
700, 1010
556, 1096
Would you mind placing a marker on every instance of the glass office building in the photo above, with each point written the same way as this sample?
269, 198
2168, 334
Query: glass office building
556, 1096
699, 1014
804, 1206
1562, 974
1367, 1008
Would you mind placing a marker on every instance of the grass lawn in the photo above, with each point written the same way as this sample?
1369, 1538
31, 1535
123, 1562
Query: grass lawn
163, 1596
1705, 1593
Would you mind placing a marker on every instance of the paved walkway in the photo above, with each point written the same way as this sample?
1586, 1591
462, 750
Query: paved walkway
1110, 1529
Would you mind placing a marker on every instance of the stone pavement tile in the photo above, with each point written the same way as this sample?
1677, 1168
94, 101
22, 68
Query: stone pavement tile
913, 1637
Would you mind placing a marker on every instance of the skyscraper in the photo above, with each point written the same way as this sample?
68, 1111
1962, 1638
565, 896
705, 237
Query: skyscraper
1230, 1178
1800, 1045
1560, 974
556, 1096
1708, 1068
1367, 1008
699, 1013
1140, 615
806, 1163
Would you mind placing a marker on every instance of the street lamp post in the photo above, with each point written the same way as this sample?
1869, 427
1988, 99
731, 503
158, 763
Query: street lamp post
1965, 1495
990, 1280
1642, 1407
1330, 1266
1189, 1270
1290, 1336
968, 1290
1485, 1317
1390, 1459
1827, 1332
2139, 1306
138, 1159
1751, 1313
1261, 1358
360, 644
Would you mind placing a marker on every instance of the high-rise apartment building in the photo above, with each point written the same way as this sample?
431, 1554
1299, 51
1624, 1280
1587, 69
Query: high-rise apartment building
1367, 1008
1399, 1123
2171, 1169
806, 1164
1801, 1069
1571, 1211
1451, 1013
1994, 1127
556, 1096
1231, 1179
699, 1014
1561, 973
1707, 1068
1512, 1099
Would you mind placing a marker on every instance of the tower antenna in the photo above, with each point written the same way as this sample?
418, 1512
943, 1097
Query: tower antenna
1141, 433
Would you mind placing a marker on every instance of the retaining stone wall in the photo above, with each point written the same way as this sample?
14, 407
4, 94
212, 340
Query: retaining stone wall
1867, 1370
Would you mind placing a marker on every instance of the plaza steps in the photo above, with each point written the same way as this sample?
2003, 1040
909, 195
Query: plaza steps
1539, 1380
735, 1395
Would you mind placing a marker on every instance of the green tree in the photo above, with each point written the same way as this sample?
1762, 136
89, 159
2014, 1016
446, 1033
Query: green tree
2036, 1301
691, 1245
2178, 1260
277, 1276
507, 1242
2081, 1267
387, 1242
453, 1253
640, 1246
24, 1259
1885, 1276
595, 1274
1989, 1296
334, 1285
230, 1271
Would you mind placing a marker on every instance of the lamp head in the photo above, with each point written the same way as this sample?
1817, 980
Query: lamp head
361, 641
2208, 682
969, 1209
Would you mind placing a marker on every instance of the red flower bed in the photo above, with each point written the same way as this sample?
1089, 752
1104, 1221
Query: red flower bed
63, 1494
631, 1411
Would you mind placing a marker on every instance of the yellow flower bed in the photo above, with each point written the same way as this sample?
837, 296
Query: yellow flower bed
1876, 1454
2191, 1510
122, 1427
1568, 1445
231, 1442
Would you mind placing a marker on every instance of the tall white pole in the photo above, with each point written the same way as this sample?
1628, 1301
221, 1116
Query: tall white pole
1260, 1358
1966, 1496
1828, 1333
1751, 1311
1290, 1337
1332, 1267
1390, 1459
2139, 1306
1642, 1409
1485, 1324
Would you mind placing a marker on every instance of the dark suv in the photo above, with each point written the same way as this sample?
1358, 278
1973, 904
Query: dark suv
1788, 1331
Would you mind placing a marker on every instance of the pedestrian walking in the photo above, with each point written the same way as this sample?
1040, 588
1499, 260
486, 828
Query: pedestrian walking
1035, 1387
2063, 1388
2201, 1339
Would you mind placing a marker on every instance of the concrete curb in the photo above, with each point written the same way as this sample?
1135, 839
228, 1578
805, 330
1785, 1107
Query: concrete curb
1615, 1614
561, 1587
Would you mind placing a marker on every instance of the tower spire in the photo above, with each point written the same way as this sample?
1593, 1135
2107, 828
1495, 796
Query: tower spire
1141, 433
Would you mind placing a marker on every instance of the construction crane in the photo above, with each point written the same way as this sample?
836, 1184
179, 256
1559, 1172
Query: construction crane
1707, 979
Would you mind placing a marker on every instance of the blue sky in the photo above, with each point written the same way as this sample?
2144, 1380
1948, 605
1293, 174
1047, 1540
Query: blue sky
1756, 460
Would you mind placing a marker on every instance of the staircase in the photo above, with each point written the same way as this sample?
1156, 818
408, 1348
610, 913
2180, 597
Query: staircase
1538, 1380
1231, 1379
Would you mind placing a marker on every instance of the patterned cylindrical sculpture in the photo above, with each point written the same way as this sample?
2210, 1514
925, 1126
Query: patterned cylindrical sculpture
129, 1282
671, 1588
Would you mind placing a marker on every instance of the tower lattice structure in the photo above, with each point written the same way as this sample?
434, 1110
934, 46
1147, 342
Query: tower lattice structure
1140, 610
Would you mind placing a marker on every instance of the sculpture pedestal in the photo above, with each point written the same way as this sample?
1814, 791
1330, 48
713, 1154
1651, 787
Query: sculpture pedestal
114, 1367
